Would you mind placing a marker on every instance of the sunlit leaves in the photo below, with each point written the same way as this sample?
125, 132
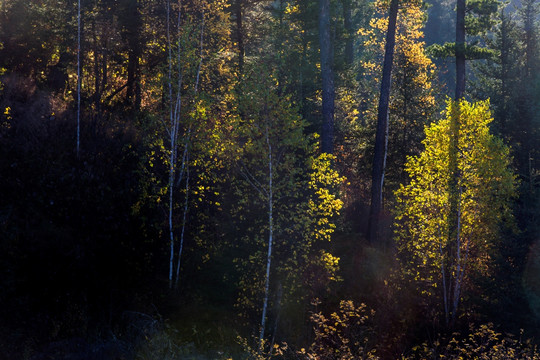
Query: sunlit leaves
487, 187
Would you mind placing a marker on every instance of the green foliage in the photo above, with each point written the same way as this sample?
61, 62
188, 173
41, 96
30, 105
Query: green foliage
481, 16
487, 186
472, 52
304, 187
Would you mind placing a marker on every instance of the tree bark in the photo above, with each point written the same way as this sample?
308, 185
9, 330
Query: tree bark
174, 117
529, 18
381, 138
239, 9
460, 49
347, 23
133, 24
454, 175
270, 238
505, 66
327, 74
185, 160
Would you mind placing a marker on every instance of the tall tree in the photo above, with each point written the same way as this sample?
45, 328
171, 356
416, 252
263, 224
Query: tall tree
473, 18
239, 14
529, 14
131, 22
460, 49
327, 74
440, 267
349, 32
381, 139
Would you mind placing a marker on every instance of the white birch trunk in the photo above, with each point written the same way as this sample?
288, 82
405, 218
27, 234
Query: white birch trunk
445, 290
184, 216
174, 116
460, 268
270, 238
185, 162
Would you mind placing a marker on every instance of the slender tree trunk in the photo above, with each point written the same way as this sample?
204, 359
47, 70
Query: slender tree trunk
460, 49
347, 22
327, 74
174, 117
185, 161
460, 265
239, 9
529, 18
270, 238
454, 228
133, 27
445, 289
505, 65
381, 138
278, 314
184, 217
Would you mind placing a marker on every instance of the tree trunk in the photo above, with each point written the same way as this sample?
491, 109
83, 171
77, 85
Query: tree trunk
349, 35
185, 161
460, 49
460, 265
381, 138
270, 238
529, 18
505, 66
327, 74
174, 117
133, 24
240, 35
454, 175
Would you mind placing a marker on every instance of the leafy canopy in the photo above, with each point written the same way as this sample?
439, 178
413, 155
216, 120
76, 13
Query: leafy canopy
486, 185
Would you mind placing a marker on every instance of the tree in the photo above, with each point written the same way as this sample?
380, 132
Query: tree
486, 186
381, 137
131, 23
529, 14
473, 18
327, 75
286, 199
499, 77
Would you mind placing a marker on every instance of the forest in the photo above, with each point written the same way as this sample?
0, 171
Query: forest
269, 179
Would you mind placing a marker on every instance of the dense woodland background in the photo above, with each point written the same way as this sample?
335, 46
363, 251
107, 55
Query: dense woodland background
193, 179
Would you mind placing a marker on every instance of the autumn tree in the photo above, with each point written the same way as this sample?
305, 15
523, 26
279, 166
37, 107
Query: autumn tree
440, 267
291, 194
412, 98
381, 136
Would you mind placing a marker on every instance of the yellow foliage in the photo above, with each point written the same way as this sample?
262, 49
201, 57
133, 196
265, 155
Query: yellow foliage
487, 186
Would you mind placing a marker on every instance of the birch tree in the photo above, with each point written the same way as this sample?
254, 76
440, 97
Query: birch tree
286, 202
266, 134
486, 186
179, 172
